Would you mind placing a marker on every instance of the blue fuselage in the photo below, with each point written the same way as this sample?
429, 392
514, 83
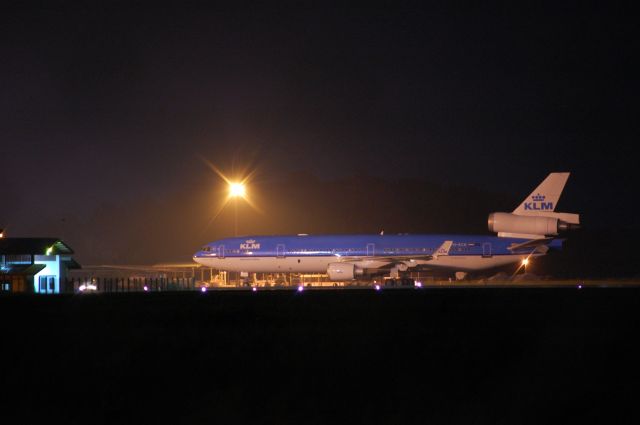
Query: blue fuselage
467, 252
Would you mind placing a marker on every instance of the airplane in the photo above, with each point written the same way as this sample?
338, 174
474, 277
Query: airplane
531, 230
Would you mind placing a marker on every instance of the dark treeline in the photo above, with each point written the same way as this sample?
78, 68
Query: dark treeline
171, 226
594, 253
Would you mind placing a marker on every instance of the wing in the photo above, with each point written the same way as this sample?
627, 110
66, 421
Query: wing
405, 259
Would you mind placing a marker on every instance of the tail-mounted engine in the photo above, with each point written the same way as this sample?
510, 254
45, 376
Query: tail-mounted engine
513, 224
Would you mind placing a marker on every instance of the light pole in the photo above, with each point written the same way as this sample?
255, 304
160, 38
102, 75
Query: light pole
235, 216
236, 190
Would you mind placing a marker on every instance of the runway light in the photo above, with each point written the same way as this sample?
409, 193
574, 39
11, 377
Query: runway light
146, 288
377, 287
300, 288
418, 284
254, 289
525, 262
203, 289
579, 286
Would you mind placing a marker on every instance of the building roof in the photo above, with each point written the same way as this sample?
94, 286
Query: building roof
71, 263
23, 269
33, 246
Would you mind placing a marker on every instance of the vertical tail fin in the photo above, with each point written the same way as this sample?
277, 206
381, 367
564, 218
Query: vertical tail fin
545, 197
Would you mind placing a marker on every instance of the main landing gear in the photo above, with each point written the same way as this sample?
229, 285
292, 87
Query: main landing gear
396, 278
404, 281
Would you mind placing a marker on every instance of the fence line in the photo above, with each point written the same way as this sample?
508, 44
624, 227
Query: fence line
120, 284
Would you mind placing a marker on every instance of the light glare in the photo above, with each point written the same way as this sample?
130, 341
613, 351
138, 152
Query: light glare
87, 287
237, 190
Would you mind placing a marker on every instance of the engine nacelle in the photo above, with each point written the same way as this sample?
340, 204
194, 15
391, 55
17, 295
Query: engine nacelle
530, 225
343, 271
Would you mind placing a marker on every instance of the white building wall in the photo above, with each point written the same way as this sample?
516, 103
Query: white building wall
52, 263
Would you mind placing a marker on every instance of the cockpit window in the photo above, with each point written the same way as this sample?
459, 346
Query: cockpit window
206, 248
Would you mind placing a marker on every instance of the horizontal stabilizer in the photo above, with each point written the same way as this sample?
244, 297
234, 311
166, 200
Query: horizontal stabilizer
535, 243
520, 236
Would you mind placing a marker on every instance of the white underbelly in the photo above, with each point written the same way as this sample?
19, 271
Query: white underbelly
473, 262
270, 264
320, 264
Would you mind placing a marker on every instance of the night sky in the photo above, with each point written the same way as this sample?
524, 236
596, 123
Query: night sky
395, 117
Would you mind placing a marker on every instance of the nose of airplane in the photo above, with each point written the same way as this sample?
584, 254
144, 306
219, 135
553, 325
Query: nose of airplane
197, 257
203, 255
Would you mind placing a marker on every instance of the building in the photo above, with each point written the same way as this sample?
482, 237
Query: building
34, 265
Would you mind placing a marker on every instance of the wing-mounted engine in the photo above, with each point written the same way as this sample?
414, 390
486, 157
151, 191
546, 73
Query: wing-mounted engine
343, 271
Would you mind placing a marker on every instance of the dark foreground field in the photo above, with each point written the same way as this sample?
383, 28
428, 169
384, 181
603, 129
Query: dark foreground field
407, 356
